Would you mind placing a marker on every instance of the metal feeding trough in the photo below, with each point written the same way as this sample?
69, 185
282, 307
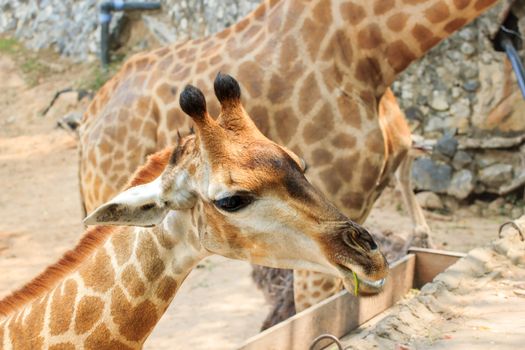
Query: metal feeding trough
342, 313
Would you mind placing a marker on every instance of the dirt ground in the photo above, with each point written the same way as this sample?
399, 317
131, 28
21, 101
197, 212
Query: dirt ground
218, 307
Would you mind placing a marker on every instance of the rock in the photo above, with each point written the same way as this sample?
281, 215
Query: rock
496, 175
431, 176
475, 209
462, 184
439, 101
414, 113
486, 58
480, 188
447, 145
471, 85
451, 203
516, 213
469, 71
461, 159
455, 92
429, 200
435, 124
496, 206
468, 34
461, 108
468, 49
162, 32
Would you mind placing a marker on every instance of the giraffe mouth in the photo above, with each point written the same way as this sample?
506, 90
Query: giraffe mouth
365, 286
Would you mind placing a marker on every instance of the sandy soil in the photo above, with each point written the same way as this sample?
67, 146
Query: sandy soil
218, 306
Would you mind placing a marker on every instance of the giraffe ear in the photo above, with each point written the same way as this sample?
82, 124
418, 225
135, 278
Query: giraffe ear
137, 206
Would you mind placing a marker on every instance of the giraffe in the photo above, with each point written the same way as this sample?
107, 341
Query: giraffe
226, 190
317, 76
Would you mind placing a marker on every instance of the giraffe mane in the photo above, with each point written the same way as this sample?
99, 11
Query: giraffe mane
90, 241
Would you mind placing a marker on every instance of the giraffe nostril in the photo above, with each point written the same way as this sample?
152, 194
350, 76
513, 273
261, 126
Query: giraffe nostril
372, 243
367, 237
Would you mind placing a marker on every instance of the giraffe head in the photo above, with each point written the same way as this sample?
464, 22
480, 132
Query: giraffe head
253, 199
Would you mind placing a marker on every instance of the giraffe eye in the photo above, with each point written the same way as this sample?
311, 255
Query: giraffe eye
233, 203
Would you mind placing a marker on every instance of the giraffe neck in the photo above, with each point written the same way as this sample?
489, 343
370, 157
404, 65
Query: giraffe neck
388, 35
116, 296
371, 42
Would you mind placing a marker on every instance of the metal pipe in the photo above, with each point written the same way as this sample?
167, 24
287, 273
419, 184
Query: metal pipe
106, 8
515, 60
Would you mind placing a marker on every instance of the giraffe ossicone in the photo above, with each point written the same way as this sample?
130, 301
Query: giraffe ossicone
228, 190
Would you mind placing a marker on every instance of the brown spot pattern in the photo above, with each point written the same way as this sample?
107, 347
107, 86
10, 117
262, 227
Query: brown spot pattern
88, 313
353, 200
353, 13
279, 89
375, 141
98, 274
482, 4
320, 127
132, 282
461, 4
438, 12
369, 178
165, 239
62, 346
368, 70
383, 6
134, 322
344, 140
166, 288
399, 55
251, 76
328, 285
62, 307
287, 124
331, 181
370, 37
424, 36
165, 93
121, 242
308, 94
322, 12
148, 257
455, 24
349, 109
340, 49
260, 117
28, 329
321, 156
101, 339
346, 166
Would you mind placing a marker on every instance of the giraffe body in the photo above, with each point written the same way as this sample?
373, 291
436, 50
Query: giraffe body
226, 190
316, 76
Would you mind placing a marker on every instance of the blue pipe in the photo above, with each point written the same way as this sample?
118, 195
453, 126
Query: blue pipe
515, 60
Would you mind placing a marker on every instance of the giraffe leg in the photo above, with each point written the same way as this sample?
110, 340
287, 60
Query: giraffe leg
421, 231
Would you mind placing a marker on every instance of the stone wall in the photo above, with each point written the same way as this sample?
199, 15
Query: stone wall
462, 94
